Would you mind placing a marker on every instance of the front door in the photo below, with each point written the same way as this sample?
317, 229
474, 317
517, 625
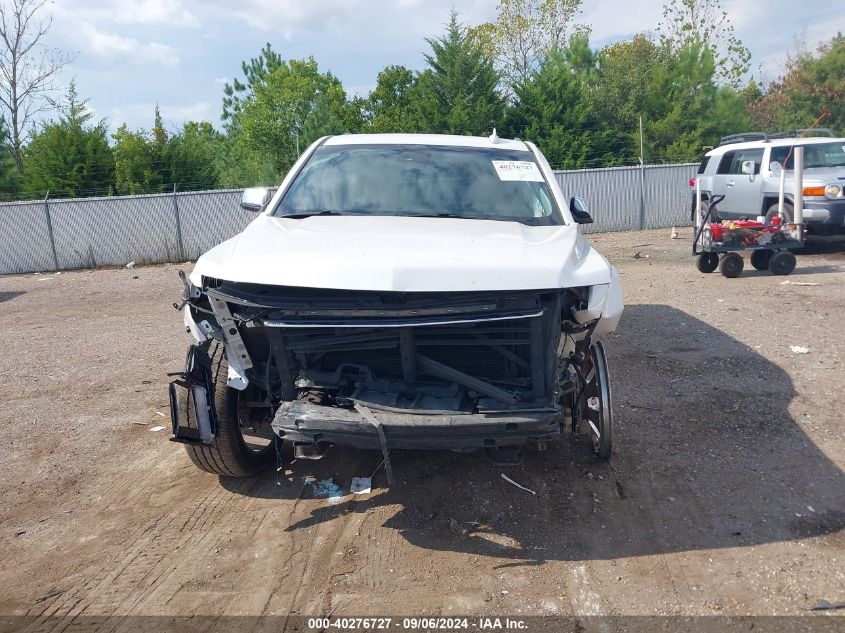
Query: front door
742, 191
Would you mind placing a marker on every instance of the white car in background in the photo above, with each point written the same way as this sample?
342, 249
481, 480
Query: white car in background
399, 291
746, 169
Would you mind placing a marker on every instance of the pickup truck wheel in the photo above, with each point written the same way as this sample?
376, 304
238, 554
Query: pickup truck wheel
595, 412
236, 450
773, 211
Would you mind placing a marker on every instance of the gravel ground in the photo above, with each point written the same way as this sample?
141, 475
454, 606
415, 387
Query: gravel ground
725, 494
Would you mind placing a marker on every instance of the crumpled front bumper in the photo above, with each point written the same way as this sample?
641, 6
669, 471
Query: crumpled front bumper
302, 422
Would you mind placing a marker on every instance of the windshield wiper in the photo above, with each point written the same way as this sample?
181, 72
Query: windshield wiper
440, 215
308, 214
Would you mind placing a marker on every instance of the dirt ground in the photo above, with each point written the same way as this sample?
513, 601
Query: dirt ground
725, 494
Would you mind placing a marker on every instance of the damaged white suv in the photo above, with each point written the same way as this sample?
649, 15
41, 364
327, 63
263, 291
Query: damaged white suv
399, 291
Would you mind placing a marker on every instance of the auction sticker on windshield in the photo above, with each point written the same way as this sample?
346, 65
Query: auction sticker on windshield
518, 170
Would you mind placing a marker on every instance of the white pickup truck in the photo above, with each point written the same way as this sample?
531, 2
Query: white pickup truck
399, 291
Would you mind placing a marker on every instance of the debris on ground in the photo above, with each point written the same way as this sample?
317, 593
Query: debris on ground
675, 234
799, 349
457, 528
325, 489
161, 414
827, 605
799, 283
361, 485
156, 429
520, 486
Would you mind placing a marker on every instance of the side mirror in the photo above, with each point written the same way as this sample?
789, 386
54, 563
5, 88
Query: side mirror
578, 208
255, 198
775, 167
748, 167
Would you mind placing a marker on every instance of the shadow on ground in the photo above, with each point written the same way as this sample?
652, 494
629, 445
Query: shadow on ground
707, 456
8, 296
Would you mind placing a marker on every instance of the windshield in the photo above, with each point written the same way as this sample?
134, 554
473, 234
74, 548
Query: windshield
816, 155
422, 180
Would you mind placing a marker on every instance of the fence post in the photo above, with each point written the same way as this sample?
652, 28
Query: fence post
642, 179
180, 244
642, 196
50, 230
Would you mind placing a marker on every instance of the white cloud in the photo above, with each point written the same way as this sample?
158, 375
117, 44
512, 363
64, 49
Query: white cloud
119, 47
362, 20
140, 115
126, 12
222, 80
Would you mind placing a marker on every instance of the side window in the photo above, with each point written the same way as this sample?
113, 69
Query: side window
703, 166
725, 163
779, 154
755, 155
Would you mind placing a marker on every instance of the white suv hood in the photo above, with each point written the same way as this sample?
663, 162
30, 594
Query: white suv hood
389, 253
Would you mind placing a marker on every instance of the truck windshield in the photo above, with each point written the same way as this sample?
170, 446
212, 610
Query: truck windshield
815, 155
422, 180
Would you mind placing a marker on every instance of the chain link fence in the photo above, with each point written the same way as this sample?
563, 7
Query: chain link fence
91, 232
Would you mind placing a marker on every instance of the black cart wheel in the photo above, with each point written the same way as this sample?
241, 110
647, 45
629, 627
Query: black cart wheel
731, 265
707, 262
760, 259
782, 263
595, 411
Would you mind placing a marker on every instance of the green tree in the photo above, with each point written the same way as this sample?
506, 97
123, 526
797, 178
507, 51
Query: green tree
813, 87
320, 122
524, 33
255, 71
553, 109
9, 174
239, 164
703, 26
457, 94
389, 105
273, 117
192, 157
70, 157
133, 162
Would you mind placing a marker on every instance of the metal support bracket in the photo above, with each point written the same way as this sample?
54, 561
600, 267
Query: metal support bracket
236, 352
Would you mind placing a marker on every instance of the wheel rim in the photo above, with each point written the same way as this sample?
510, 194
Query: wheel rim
597, 410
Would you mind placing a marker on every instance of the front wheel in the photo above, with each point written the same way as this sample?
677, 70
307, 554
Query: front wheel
773, 211
242, 445
594, 409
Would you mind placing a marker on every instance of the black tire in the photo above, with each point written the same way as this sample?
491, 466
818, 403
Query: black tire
596, 411
760, 259
773, 211
731, 265
707, 262
782, 263
228, 454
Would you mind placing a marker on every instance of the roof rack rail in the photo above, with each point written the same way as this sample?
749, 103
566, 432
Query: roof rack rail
805, 132
743, 137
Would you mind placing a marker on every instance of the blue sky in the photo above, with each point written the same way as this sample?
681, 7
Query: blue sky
132, 54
